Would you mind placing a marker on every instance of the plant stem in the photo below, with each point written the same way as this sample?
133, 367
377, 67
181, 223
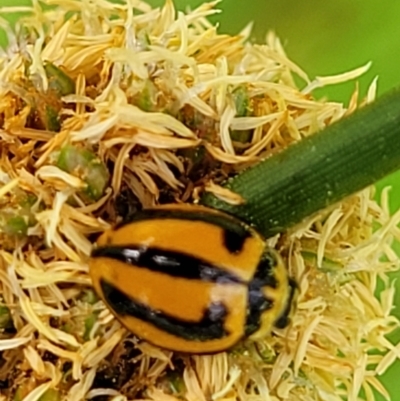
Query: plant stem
320, 170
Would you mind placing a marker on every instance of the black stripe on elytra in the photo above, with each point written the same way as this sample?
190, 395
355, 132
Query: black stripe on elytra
210, 327
174, 264
258, 303
235, 233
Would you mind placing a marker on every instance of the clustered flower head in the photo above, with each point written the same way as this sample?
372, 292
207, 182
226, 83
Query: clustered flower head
109, 107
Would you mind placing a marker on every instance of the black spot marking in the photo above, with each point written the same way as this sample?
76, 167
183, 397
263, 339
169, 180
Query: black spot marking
284, 320
210, 327
175, 264
234, 241
258, 303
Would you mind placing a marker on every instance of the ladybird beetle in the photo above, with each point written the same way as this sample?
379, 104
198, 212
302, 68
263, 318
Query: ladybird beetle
190, 279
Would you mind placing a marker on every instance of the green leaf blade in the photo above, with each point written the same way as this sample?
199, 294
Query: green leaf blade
320, 170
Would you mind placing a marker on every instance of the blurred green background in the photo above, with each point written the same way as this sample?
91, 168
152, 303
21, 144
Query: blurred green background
325, 38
